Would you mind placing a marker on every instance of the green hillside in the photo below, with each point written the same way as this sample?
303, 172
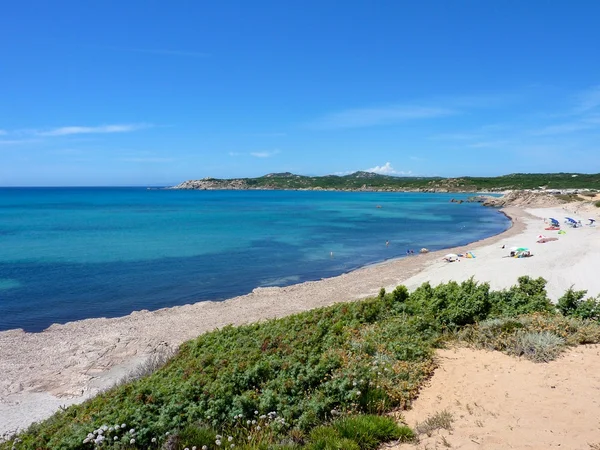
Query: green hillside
372, 181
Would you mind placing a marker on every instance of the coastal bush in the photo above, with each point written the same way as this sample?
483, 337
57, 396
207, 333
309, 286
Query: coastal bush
597, 204
572, 304
318, 379
539, 337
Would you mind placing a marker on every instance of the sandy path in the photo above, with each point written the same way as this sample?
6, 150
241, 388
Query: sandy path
68, 363
501, 402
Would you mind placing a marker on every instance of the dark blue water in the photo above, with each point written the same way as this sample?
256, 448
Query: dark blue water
73, 253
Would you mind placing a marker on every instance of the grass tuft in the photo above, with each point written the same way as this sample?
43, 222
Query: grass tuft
542, 346
441, 420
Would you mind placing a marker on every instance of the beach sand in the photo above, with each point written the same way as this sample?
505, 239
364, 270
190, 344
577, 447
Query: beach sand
68, 363
499, 401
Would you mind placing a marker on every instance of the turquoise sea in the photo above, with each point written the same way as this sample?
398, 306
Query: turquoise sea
75, 253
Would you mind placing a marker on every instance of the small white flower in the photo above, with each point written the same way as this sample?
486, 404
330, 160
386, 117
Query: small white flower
186, 448
232, 445
248, 422
153, 440
218, 442
204, 447
85, 441
105, 427
132, 441
357, 392
123, 425
354, 383
110, 429
230, 438
254, 422
132, 431
194, 447
116, 438
100, 431
257, 427
218, 436
249, 437
167, 433
256, 413
263, 417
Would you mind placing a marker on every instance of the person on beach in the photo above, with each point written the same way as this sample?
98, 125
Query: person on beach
387, 243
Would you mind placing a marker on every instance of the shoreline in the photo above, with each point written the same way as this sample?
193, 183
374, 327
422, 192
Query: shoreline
71, 362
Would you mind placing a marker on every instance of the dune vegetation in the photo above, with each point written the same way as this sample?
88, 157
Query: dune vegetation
323, 379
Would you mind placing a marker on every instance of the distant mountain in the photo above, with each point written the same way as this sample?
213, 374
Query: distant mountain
369, 181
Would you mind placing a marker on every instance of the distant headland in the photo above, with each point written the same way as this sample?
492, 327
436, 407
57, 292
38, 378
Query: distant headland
558, 183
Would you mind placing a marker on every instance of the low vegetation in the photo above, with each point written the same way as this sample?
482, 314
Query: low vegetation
368, 180
320, 380
441, 420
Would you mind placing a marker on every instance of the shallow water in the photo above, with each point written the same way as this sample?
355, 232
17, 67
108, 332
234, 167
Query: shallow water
75, 253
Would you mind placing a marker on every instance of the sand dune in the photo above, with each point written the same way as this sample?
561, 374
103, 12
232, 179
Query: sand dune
500, 402
68, 363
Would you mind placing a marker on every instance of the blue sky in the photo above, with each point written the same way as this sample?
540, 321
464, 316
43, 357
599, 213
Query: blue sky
154, 93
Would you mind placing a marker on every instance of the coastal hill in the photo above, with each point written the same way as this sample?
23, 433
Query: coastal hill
368, 181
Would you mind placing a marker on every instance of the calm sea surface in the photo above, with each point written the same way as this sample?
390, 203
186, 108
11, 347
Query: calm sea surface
75, 253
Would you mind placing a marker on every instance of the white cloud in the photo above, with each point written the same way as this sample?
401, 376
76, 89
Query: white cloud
387, 169
588, 100
368, 117
146, 160
67, 131
234, 153
569, 127
267, 135
264, 154
17, 141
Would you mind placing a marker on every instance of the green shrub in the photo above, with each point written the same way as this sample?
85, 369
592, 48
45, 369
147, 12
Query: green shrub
327, 438
572, 304
280, 380
597, 204
528, 296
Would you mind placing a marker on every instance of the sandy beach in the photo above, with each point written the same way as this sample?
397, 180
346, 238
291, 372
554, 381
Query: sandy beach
68, 363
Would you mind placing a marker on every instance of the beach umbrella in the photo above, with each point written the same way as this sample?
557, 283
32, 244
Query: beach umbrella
522, 249
451, 256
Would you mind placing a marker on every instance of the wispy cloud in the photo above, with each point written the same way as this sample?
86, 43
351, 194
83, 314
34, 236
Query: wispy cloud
147, 160
264, 154
102, 129
387, 169
489, 144
17, 141
456, 136
235, 153
267, 135
368, 117
588, 100
3, 133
